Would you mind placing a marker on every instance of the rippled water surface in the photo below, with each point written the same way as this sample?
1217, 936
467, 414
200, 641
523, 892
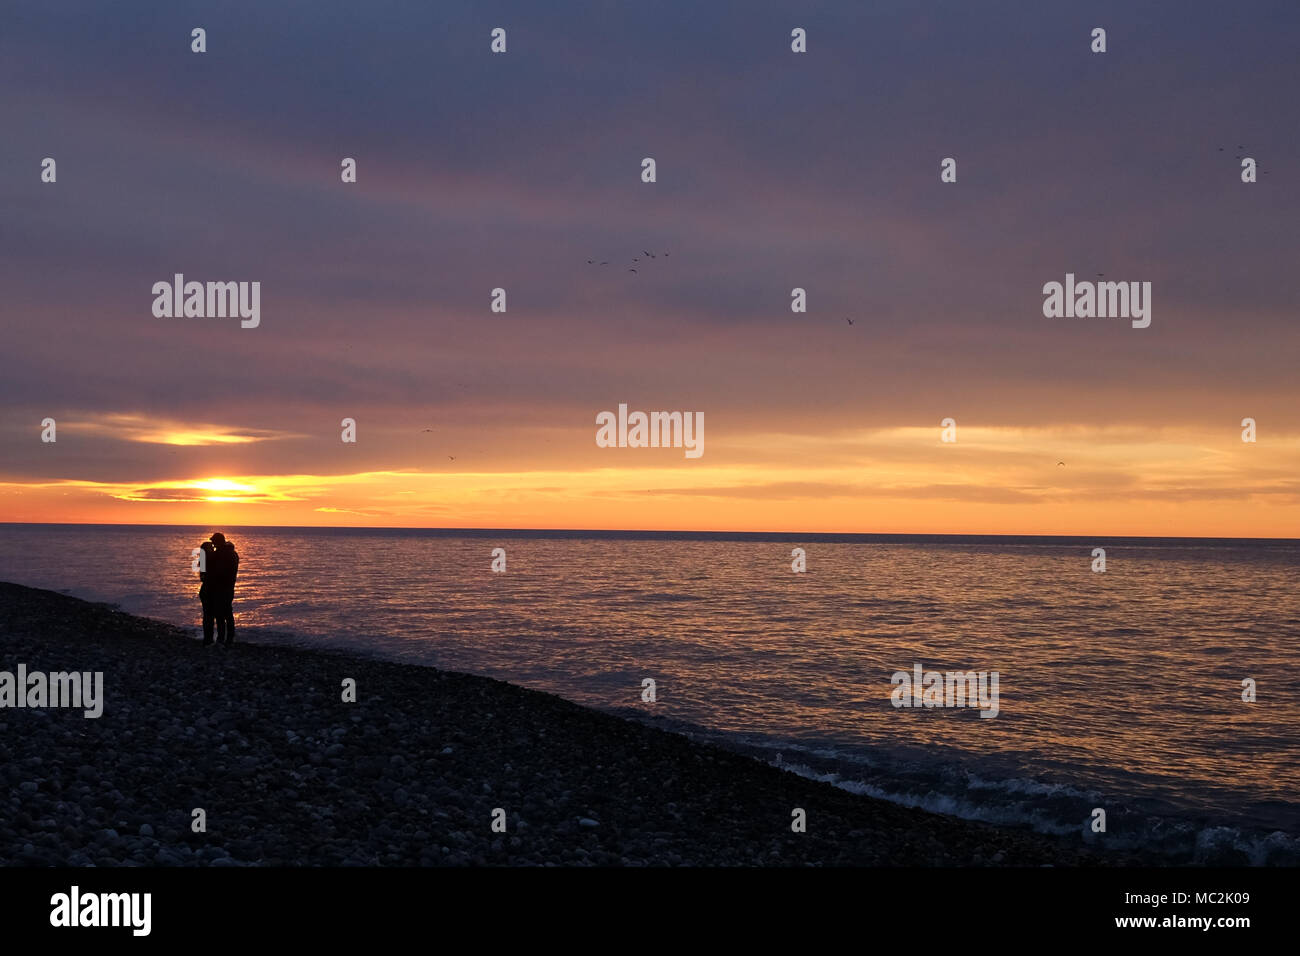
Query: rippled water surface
1119, 690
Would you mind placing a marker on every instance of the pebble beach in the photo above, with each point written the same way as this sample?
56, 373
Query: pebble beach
413, 773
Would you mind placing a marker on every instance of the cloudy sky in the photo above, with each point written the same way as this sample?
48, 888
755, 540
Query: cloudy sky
775, 170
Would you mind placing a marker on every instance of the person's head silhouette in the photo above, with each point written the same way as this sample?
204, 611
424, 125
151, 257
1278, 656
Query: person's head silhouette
218, 539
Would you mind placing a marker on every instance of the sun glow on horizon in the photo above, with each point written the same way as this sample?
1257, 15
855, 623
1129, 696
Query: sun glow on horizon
223, 484
992, 481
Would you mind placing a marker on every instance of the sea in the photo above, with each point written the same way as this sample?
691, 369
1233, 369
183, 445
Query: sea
1119, 690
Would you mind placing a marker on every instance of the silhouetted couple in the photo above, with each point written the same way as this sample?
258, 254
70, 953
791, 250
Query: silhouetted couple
218, 570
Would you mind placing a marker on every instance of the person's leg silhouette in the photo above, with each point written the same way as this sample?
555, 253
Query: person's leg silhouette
209, 615
227, 616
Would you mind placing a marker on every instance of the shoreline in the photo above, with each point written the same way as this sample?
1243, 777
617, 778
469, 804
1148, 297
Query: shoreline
259, 738
681, 534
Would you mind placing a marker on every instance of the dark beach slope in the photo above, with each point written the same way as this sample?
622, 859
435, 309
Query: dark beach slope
287, 773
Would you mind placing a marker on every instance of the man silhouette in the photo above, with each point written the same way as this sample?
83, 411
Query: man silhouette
222, 571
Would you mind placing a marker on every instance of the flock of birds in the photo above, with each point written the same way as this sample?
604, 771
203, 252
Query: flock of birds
1262, 172
645, 254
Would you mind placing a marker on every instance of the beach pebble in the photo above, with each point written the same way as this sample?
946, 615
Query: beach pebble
146, 830
588, 822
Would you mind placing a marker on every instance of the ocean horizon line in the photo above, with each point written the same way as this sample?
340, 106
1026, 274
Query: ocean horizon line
671, 534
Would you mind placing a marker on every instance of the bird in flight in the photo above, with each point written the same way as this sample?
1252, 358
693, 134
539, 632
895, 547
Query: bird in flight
604, 263
1060, 464
633, 270
591, 262
451, 457
848, 320
426, 429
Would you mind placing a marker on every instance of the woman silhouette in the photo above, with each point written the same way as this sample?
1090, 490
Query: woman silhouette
207, 590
